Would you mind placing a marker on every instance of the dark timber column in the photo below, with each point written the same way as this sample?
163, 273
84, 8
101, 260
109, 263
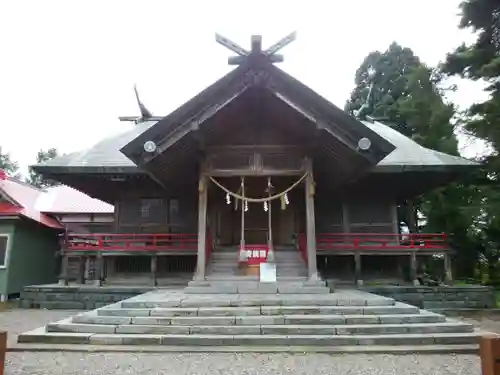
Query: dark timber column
312, 270
413, 267
448, 274
202, 226
63, 277
81, 269
99, 266
154, 269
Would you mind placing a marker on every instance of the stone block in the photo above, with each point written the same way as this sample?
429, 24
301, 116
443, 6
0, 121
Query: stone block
362, 319
117, 339
196, 340
314, 319
40, 336
228, 311
456, 339
321, 340
124, 312
215, 302
92, 319
204, 320
303, 290
62, 305
80, 328
411, 318
261, 340
370, 329
399, 339
153, 329
225, 330
174, 311
149, 320
260, 320
290, 329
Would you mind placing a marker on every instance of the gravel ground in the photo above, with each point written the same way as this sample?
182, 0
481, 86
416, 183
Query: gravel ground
25, 363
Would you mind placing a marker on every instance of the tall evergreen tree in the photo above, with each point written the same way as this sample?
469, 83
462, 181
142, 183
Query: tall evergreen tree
35, 178
480, 61
408, 96
10, 166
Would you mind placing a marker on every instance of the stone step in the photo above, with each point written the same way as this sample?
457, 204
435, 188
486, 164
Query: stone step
261, 320
398, 308
367, 329
255, 284
236, 300
41, 336
260, 288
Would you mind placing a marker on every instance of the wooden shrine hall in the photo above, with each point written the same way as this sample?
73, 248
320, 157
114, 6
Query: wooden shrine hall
255, 165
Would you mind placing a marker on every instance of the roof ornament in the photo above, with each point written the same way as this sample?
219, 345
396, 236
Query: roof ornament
256, 51
146, 114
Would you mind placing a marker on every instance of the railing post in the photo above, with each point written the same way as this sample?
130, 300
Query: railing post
489, 352
3, 351
413, 267
357, 268
98, 269
154, 269
63, 276
448, 274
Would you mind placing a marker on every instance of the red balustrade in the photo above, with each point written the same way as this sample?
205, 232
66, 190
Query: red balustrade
375, 241
123, 242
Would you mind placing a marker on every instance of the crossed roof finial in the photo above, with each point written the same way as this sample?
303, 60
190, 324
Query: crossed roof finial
256, 51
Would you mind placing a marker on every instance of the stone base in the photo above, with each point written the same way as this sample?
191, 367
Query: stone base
438, 297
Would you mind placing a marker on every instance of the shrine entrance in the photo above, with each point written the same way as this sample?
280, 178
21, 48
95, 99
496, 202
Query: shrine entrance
275, 222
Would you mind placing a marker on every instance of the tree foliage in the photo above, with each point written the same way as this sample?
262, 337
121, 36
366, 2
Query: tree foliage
10, 166
481, 61
35, 178
408, 96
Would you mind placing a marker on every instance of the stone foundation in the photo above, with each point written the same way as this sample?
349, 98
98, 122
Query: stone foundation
440, 297
76, 297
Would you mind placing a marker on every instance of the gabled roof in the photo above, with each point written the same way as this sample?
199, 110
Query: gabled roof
206, 104
105, 156
410, 156
63, 199
21, 198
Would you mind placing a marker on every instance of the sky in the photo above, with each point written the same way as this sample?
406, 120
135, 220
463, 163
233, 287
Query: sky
68, 67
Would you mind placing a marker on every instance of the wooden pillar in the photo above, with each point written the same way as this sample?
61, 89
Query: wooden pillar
448, 273
357, 269
202, 226
63, 276
154, 269
489, 352
412, 217
81, 269
413, 268
312, 269
99, 260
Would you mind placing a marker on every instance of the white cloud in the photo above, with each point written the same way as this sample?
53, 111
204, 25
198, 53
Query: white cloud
68, 67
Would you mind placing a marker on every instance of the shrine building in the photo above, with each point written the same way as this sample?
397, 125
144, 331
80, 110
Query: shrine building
255, 166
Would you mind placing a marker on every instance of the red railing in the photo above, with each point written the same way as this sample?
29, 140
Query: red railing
375, 241
121, 242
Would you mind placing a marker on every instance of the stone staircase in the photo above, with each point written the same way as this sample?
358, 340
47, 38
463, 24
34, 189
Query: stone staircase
344, 321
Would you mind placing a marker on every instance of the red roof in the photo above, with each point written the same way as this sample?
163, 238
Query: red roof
20, 199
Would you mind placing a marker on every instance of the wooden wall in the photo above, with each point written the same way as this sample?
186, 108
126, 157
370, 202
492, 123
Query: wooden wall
356, 216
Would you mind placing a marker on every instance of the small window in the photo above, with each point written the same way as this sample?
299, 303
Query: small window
3, 250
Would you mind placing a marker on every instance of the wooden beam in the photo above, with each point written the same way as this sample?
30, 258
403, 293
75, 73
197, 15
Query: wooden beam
154, 269
202, 224
312, 269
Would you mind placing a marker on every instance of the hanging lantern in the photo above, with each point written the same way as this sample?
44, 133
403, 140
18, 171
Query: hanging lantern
266, 208
246, 206
228, 198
